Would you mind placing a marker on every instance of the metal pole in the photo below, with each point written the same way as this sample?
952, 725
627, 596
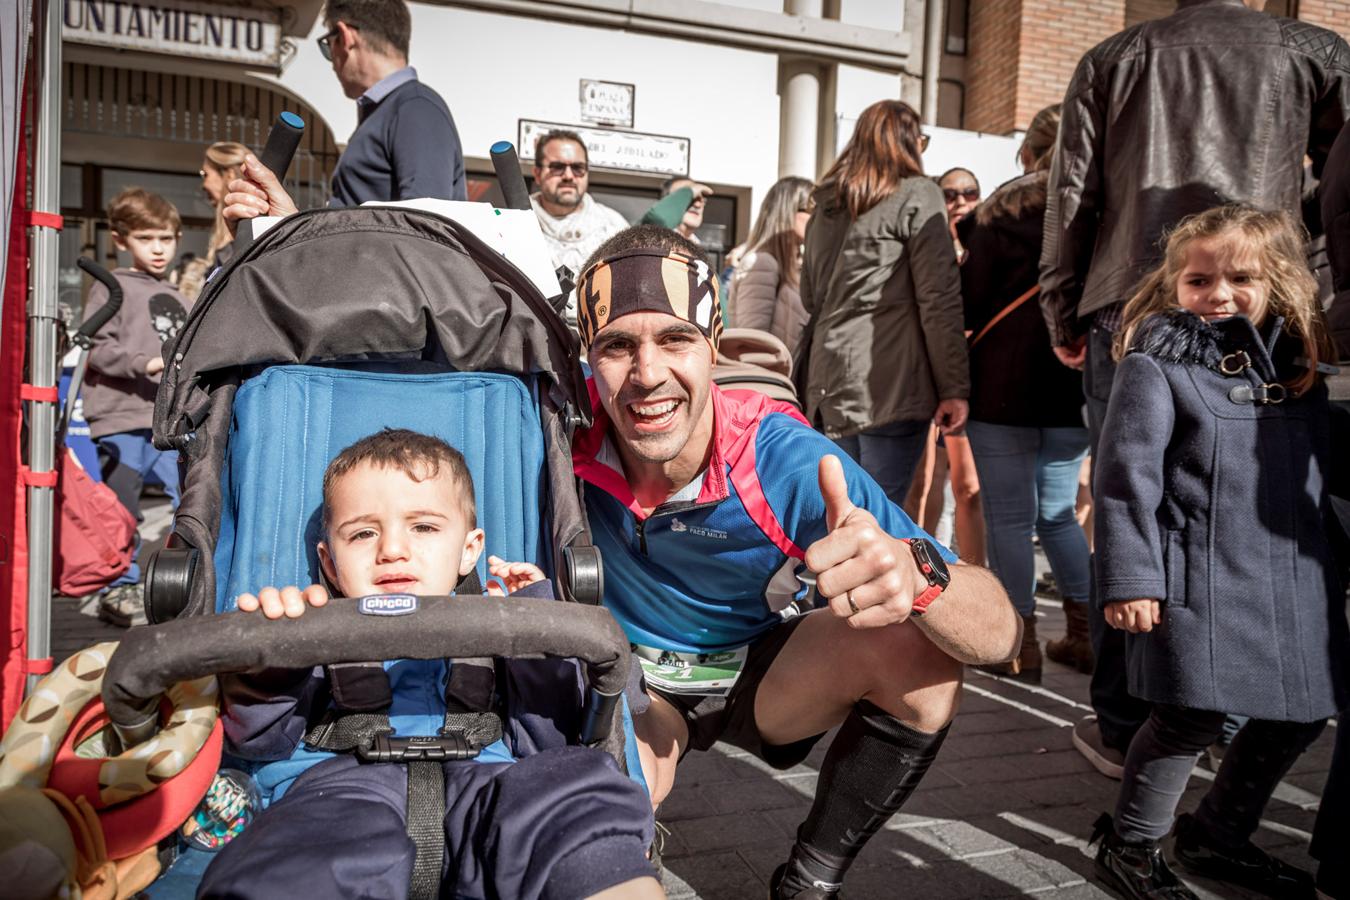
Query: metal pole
932, 58
43, 324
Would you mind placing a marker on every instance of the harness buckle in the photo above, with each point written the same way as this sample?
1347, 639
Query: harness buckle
447, 745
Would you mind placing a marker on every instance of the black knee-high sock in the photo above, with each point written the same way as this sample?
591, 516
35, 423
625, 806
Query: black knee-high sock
874, 764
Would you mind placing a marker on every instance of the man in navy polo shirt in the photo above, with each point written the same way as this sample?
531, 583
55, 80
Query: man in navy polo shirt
405, 145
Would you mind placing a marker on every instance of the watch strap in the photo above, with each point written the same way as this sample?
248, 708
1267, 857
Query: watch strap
922, 602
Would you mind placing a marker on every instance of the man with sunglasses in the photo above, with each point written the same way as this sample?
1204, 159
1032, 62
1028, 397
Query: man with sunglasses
573, 222
405, 145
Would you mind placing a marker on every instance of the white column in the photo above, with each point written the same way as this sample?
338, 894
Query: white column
801, 109
797, 134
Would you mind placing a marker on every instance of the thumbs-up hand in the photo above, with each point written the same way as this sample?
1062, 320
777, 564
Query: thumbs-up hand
867, 576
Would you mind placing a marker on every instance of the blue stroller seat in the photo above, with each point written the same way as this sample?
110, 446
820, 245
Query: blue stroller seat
290, 421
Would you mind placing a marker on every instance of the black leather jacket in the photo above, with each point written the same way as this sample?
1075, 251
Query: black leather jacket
1213, 104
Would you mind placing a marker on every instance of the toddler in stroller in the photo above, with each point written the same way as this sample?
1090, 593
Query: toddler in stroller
306, 343
399, 520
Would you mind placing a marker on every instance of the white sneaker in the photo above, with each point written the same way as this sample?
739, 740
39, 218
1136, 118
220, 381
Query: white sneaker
1087, 738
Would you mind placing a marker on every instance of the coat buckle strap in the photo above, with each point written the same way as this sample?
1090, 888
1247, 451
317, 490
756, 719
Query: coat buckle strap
1259, 394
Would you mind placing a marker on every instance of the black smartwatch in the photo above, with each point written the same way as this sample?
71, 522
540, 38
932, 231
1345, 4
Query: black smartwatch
933, 568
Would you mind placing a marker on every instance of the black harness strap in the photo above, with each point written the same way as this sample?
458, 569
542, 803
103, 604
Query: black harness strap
426, 811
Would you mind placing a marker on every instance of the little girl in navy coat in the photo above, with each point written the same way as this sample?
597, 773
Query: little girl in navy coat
1214, 547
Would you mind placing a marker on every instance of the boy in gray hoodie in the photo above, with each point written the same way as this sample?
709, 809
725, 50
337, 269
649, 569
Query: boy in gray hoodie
124, 371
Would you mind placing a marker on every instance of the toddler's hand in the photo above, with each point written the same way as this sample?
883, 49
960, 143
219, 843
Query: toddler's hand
514, 575
290, 601
1134, 616
155, 365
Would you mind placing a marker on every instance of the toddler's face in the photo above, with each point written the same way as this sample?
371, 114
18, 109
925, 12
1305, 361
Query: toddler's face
1219, 282
390, 534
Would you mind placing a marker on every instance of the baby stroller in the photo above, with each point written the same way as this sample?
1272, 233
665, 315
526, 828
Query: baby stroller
334, 325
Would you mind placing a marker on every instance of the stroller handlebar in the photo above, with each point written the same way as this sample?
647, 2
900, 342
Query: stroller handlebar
92, 325
150, 659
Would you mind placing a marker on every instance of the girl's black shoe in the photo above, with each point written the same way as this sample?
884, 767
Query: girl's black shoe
1248, 865
1135, 871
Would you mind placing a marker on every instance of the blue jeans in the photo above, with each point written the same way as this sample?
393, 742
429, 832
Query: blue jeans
889, 453
1029, 484
128, 460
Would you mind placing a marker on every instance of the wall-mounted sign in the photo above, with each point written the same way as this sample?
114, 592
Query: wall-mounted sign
628, 151
177, 27
607, 103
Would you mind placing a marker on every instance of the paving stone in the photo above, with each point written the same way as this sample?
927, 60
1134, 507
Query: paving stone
1013, 743
711, 833
993, 723
717, 874
757, 793
970, 800
936, 841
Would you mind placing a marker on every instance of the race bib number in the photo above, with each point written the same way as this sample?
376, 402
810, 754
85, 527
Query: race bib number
698, 674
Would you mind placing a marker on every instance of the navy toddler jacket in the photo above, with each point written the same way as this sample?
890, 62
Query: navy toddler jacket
1216, 503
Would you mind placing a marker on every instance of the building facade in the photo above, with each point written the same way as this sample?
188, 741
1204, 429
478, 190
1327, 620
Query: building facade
734, 93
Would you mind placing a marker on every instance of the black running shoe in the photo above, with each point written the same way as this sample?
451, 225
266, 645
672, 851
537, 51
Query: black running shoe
1134, 871
780, 891
1247, 866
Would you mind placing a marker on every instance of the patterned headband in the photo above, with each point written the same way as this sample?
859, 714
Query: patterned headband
649, 279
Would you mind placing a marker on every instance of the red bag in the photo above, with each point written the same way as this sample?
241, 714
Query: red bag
95, 533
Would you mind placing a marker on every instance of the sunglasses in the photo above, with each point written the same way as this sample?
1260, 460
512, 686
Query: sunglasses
556, 169
923, 142
326, 42
967, 194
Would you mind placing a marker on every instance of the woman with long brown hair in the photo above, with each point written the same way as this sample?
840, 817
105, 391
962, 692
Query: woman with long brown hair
765, 288
886, 351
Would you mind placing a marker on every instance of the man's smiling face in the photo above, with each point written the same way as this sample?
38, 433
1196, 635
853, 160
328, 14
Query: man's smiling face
653, 372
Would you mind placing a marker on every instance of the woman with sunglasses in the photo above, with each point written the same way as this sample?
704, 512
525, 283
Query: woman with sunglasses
961, 191
886, 354
765, 287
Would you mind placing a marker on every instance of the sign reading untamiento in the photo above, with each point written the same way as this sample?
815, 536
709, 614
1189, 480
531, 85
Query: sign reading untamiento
177, 27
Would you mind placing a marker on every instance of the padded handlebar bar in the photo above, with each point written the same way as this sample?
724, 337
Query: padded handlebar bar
92, 325
150, 659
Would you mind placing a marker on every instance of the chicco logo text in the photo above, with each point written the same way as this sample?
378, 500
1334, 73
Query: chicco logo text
387, 605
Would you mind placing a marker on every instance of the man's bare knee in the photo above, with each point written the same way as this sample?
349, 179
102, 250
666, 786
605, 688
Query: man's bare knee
913, 680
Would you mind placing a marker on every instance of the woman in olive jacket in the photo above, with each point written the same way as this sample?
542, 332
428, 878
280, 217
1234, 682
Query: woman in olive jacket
886, 351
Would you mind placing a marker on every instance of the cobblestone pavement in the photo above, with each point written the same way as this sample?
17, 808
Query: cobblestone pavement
1004, 812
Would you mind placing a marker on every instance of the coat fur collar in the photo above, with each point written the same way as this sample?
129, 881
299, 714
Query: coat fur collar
1180, 336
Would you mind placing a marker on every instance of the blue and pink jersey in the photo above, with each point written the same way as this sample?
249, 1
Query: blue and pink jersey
709, 569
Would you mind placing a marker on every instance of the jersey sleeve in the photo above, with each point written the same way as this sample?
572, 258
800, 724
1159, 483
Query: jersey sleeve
787, 460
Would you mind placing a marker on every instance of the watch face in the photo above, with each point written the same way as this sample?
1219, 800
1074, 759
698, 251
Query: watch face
931, 563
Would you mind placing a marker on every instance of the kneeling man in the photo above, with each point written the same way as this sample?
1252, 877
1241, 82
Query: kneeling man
709, 507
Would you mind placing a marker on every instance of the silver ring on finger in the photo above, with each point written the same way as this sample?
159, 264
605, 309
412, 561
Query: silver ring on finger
848, 595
